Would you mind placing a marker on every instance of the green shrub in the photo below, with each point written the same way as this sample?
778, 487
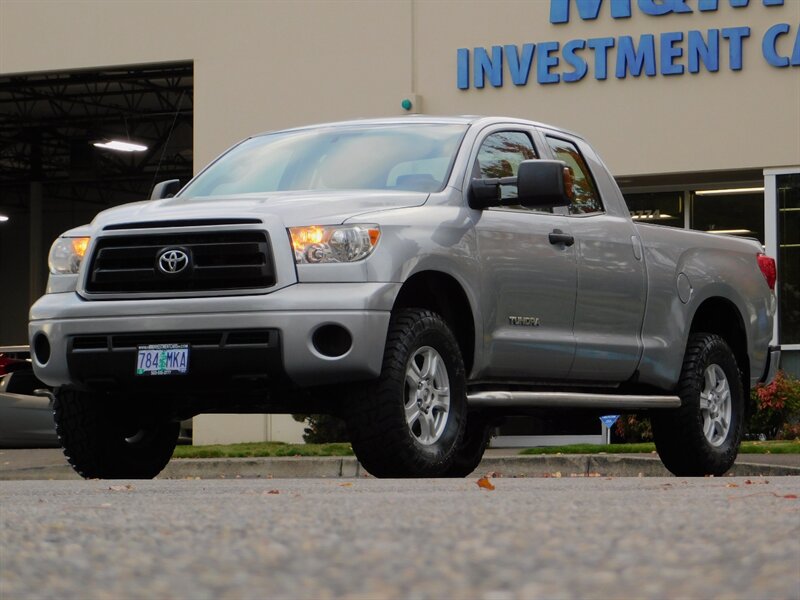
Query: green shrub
632, 429
777, 408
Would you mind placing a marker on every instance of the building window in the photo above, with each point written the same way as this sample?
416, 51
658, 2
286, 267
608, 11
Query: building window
659, 208
729, 211
788, 204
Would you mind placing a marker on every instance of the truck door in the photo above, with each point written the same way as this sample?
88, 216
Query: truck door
528, 281
611, 277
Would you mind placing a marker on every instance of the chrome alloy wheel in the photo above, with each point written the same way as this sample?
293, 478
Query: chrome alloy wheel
715, 405
427, 395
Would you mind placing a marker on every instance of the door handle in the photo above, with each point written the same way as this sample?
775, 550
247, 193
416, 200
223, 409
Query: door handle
559, 237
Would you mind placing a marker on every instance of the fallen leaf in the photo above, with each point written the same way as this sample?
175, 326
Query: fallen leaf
787, 496
557, 474
731, 485
121, 488
273, 492
348, 484
485, 484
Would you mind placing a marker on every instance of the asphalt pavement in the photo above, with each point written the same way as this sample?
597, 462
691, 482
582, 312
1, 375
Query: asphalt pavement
51, 464
532, 538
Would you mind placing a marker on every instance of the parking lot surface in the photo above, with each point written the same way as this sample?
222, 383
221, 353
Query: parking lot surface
588, 537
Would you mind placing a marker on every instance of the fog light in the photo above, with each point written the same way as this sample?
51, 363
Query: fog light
41, 348
332, 341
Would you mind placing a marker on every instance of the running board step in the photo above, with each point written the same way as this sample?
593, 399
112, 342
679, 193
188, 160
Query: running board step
568, 400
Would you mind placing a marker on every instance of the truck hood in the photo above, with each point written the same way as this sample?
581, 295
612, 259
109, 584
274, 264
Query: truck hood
322, 207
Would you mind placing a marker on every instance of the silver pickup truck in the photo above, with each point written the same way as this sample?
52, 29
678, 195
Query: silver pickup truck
421, 277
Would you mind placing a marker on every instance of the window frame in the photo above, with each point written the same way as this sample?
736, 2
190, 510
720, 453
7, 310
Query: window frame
537, 143
589, 173
772, 241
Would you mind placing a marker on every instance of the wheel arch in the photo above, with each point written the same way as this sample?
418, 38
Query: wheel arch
443, 294
722, 317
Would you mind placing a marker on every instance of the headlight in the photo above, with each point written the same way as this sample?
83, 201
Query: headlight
66, 254
334, 243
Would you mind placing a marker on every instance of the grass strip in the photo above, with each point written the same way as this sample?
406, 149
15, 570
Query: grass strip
282, 449
770, 447
262, 449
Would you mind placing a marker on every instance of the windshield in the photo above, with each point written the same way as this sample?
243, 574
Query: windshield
415, 157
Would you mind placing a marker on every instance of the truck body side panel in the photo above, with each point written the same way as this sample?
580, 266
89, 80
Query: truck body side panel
716, 267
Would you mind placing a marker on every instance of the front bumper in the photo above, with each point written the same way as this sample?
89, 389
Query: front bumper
294, 313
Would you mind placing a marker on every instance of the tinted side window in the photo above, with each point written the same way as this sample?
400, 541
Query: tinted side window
585, 196
500, 155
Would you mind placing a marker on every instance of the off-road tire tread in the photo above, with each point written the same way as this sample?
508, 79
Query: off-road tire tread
473, 445
376, 420
87, 429
678, 433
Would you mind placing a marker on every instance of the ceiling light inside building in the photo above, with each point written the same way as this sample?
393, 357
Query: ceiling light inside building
730, 231
751, 190
641, 217
3, 218
120, 146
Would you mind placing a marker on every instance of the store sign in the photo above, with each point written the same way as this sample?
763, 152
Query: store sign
670, 53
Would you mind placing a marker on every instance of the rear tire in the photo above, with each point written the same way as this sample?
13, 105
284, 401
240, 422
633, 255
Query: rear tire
102, 443
702, 437
410, 421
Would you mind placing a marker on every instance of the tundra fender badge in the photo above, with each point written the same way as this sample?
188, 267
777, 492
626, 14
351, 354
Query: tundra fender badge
524, 321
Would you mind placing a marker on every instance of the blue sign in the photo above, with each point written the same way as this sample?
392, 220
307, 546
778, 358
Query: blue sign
609, 420
666, 54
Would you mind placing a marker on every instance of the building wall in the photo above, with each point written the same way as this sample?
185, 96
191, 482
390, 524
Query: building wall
662, 124
266, 65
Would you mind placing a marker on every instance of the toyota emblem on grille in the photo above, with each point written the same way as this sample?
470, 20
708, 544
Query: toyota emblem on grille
172, 261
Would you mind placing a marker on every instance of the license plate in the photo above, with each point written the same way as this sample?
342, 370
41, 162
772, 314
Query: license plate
163, 359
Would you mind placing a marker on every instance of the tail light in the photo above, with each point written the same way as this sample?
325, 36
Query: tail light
9, 364
767, 266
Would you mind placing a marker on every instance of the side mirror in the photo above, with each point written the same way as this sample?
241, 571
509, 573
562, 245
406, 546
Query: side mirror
165, 189
544, 183
484, 193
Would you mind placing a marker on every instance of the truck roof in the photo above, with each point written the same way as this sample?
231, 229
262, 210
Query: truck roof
470, 120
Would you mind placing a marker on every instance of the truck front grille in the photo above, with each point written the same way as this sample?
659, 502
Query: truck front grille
202, 261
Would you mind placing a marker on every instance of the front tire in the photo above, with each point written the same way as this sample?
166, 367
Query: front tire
702, 437
469, 455
101, 442
410, 421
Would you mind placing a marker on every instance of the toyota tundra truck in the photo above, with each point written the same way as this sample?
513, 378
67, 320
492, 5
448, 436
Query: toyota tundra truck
420, 277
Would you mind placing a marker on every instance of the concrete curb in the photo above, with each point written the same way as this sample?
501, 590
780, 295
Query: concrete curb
574, 465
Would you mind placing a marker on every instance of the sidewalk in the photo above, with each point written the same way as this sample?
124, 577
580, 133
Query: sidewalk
51, 464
